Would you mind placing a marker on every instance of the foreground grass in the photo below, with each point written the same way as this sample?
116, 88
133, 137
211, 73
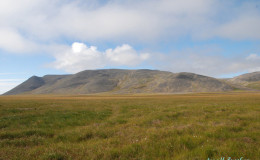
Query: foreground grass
191, 126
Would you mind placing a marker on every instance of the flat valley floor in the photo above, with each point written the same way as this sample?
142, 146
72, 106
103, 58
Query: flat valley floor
180, 127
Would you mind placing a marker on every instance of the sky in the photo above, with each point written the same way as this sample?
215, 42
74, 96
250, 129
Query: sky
218, 38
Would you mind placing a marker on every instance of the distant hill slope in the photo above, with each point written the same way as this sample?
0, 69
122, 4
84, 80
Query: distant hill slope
246, 81
33, 83
119, 82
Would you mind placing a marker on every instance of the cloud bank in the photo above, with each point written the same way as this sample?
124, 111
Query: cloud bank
27, 24
36, 26
215, 65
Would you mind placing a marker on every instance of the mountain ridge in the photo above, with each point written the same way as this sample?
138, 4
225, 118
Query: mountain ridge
119, 81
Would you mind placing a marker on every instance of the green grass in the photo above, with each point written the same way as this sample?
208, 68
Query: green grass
191, 126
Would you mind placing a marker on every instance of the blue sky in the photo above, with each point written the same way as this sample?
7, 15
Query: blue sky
217, 38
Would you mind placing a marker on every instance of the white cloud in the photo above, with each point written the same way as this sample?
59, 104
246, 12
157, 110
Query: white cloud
125, 55
12, 41
243, 27
80, 57
79, 47
42, 25
25, 22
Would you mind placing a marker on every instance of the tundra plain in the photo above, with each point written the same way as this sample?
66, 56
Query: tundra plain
142, 126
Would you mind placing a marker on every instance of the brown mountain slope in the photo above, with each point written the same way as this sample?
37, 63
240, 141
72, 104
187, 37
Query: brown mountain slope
33, 83
246, 81
120, 82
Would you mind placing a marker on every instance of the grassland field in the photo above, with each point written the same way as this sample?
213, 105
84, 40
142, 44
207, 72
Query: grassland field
179, 127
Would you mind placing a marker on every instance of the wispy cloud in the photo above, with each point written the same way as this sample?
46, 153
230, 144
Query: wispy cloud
8, 84
14, 73
253, 57
11, 80
206, 63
